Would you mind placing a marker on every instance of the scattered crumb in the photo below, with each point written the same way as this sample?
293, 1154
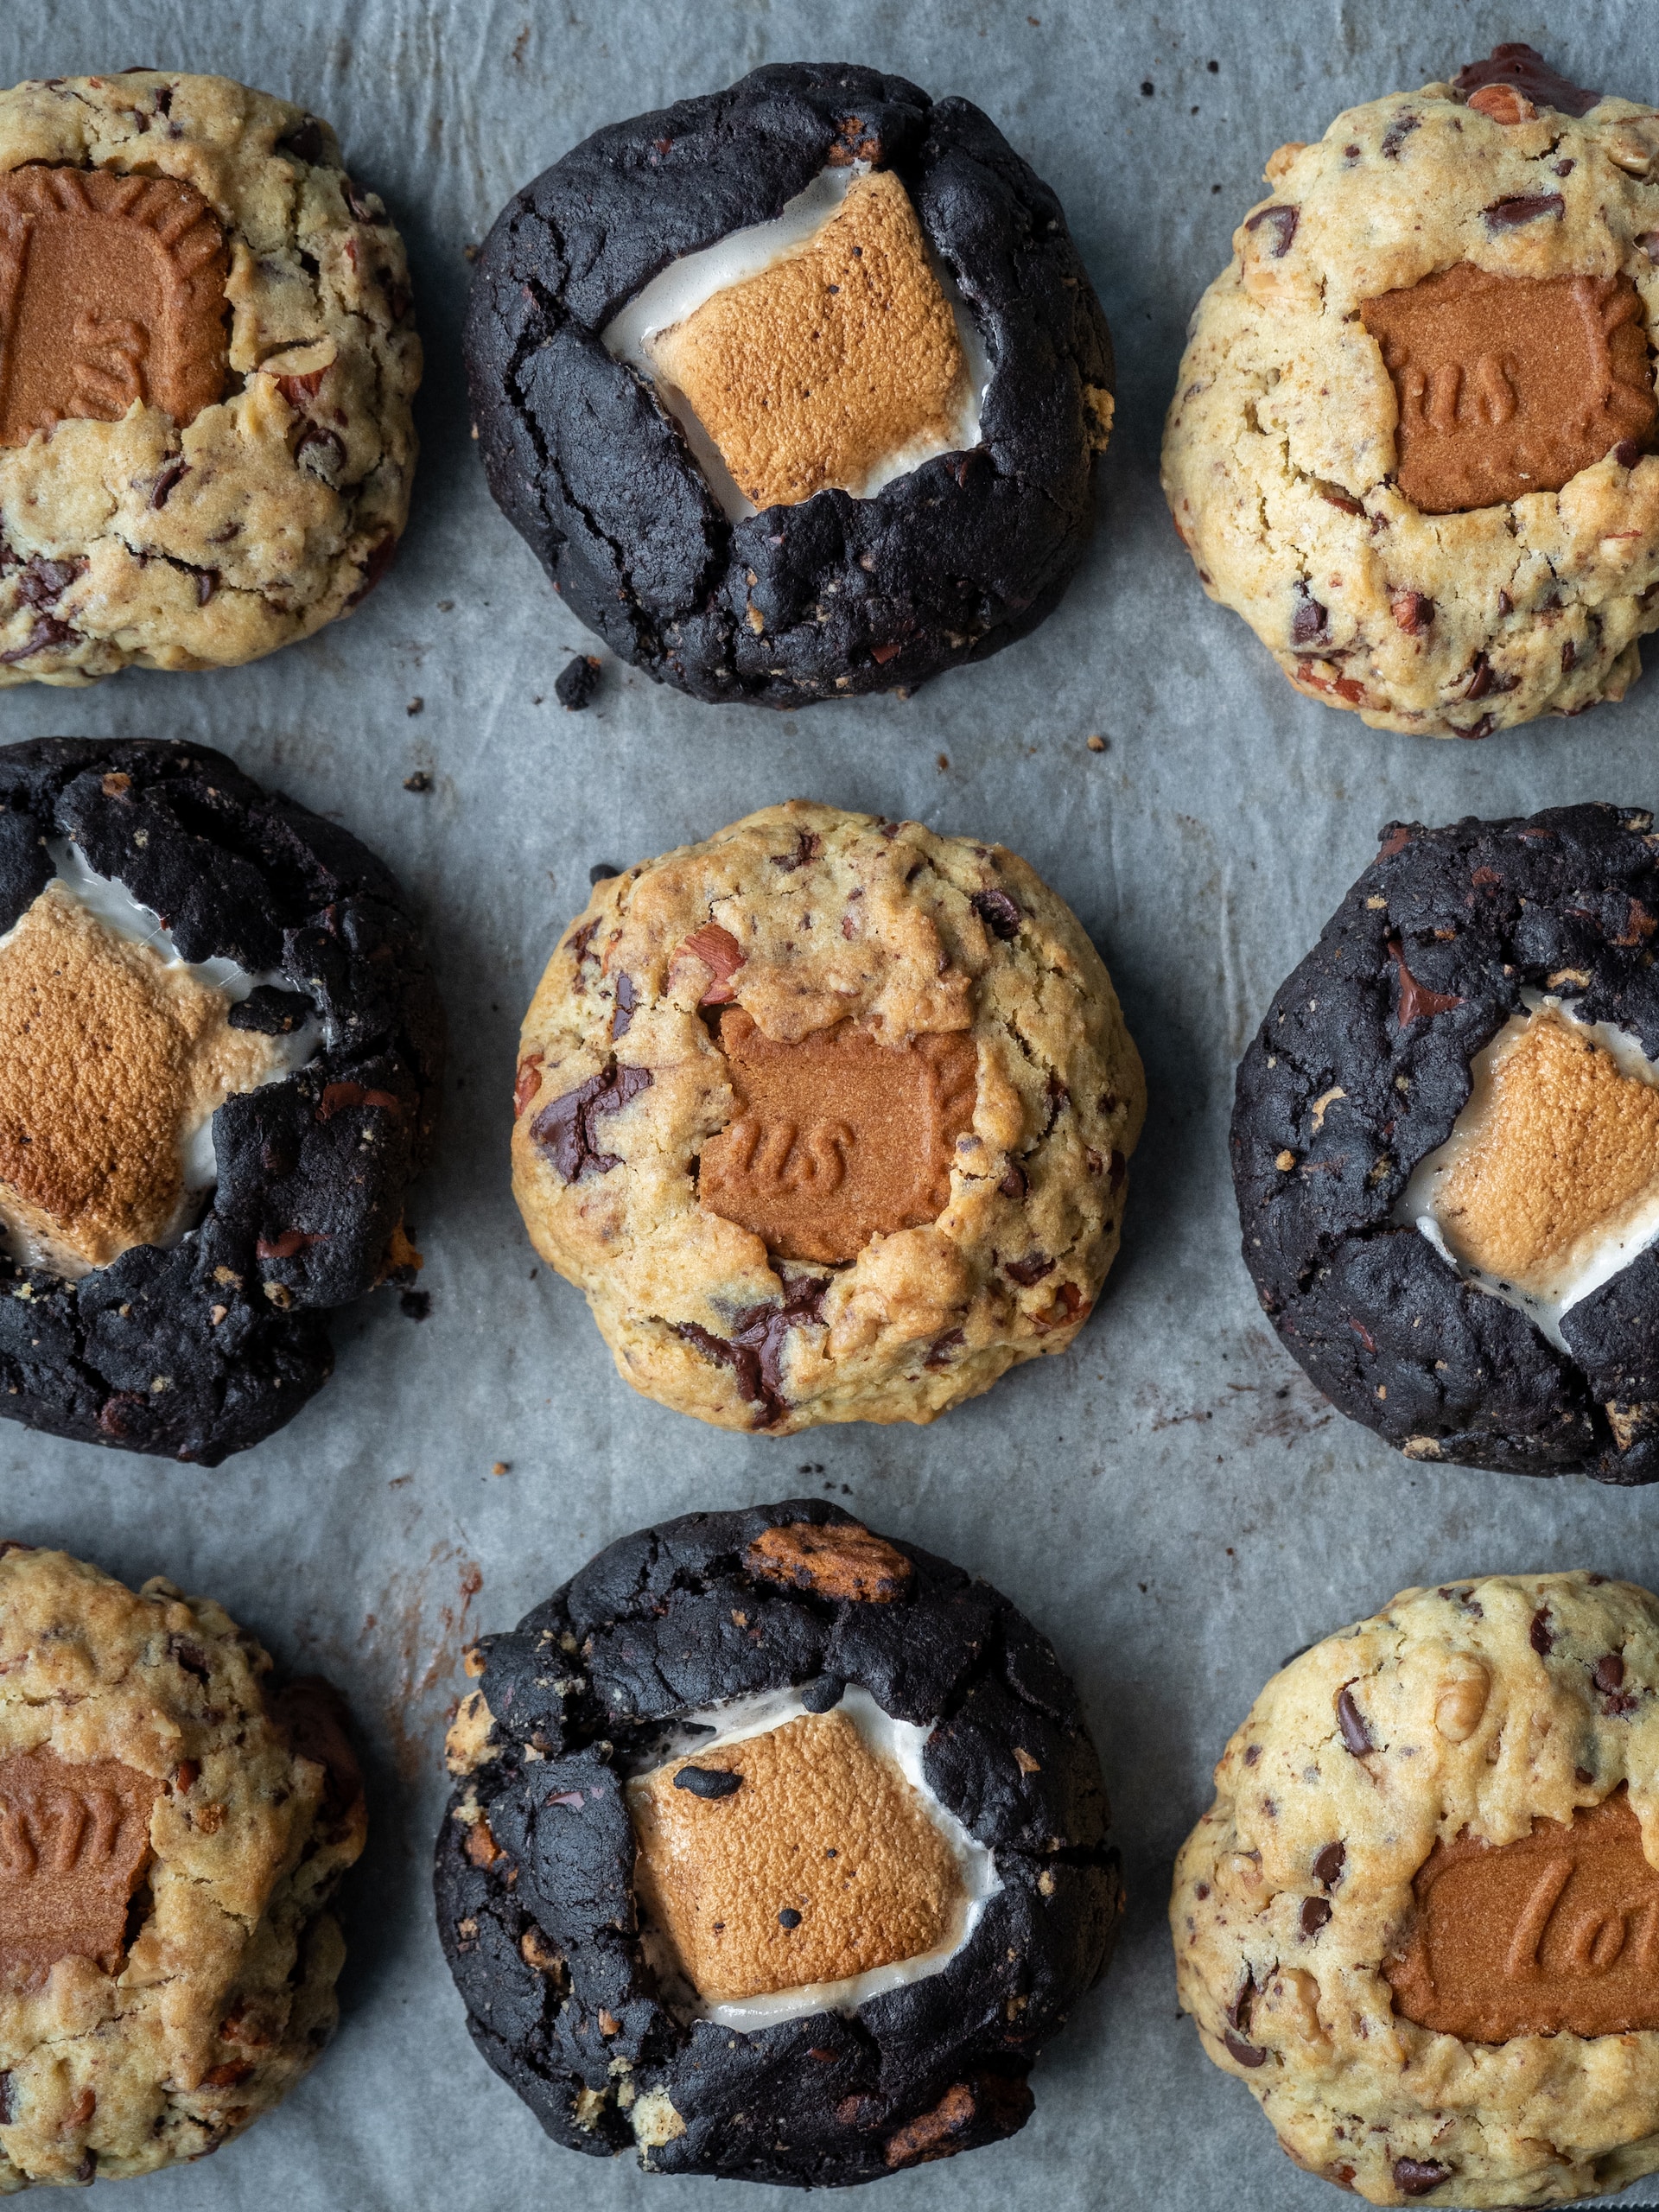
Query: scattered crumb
575, 688
397, 1482
1097, 742
944, 760
420, 781
601, 871
1148, 88
1214, 67
518, 45
417, 705
418, 1304
501, 1467
446, 607
471, 253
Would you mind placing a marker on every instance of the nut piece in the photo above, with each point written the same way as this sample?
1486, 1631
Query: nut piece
842, 1562
1461, 1701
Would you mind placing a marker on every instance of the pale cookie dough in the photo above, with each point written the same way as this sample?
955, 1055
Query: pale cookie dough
1282, 458
207, 362
829, 1118
1421, 1922
171, 1833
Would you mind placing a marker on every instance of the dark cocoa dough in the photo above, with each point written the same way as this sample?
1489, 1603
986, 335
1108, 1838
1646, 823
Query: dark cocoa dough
1470, 915
945, 565
647, 1632
234, 873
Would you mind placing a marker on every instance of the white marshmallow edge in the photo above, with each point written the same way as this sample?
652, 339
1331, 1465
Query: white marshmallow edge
681, 288
902, 1741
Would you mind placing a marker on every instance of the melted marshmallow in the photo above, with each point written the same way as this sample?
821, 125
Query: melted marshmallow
901, 1741
1599, 1258
681, 288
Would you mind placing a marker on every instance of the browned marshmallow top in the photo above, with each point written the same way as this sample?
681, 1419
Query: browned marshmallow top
841, 354
1510, 384
1568, 1146
73, 1841
110, 1056
822, 1864
1555, 1933
112, 291
837, 1138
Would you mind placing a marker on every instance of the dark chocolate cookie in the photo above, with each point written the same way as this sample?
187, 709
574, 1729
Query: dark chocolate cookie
1446, 1146
916, 508
713, 1701
220, 1052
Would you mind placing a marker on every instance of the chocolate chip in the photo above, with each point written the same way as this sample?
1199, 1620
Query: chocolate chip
1015, 1182
1416, 2177
1351, 1721
1397, 133
304, 141
627, 1000
171, 475
1315, 1914
998, 913
1627, 453
1245, 2053
43, 583
789, 1917
709, 1781
1523, 207
1609, 1673
577, 683
190, 1657
1031, 1269
564, 1129
1308, 618
1583, 1776
5, 2100
1328, 1864
820, 1695
602, 872
1282, 221
755, 1351
807, 846
1541, 1636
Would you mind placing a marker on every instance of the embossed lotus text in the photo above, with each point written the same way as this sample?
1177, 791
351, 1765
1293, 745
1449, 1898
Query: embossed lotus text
837, 1138
1556, 1932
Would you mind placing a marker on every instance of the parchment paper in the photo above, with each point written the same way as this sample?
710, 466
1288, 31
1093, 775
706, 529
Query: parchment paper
1173, 1502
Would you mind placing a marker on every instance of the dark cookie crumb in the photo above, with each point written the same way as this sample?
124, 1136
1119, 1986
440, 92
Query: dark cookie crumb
579, 680
420, 781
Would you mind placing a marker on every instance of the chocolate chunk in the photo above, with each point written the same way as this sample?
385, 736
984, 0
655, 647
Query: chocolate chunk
754, 1350
1247, 2054
1416, 2177
1316, 1912
1609, 1672
1525, 68
1416, 1002
564, 1128
1031, 1269
622, 1019
1308, 618
1328, 1864
602, 872
709, 1781
305, 141
577, 682
998, 913
1523, 207
1541, 1635
789, 1917
1355, 1734
1282, 221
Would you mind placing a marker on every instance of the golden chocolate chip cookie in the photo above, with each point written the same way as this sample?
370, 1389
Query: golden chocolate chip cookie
829, 1118
206, 361
1412, 440
170, 1832
1421, 1922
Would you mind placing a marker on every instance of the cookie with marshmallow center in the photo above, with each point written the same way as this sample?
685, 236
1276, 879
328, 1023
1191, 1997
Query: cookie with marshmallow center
1446, 1146
794, 390
777, 1851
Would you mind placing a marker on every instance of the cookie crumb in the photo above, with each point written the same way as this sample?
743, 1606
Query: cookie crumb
500, 1466
575, 688
420, 781
1098, 743
417, 1304
417, 705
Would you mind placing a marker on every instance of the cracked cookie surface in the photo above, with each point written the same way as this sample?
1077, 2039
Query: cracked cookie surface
205, 1340
544, 1902
1366, 1066
173, 1829
1418, 1921
837, 595
829, 1118
1503, 245
205, 436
